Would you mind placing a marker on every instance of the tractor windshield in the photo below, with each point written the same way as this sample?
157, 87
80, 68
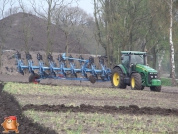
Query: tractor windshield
137, 59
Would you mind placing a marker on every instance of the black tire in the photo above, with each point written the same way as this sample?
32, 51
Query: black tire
117, 78
92, 79
33, 77
136, 81
155, 88
142, 87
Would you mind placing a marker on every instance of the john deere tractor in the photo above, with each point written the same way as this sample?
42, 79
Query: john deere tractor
134, 71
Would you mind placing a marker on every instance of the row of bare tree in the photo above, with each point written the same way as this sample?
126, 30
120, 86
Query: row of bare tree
73, 21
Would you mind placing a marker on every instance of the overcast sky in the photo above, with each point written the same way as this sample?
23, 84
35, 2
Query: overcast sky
86, 5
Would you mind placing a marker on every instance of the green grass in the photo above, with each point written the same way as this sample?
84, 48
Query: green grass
40, 94
166, 81
18, 88
74, 123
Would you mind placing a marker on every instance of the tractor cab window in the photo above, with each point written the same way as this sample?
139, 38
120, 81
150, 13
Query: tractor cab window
137, 59
125, 60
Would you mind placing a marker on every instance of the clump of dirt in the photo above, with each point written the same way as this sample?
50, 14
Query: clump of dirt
10, 107
131, 109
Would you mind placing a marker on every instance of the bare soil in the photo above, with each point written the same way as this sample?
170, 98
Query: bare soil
132, 109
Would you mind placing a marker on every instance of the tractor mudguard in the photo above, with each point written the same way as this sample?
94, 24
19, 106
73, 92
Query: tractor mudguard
122, 68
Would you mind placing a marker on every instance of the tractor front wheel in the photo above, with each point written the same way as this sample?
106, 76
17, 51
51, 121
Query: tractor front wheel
33, 78
155, 88
117, 78
136, 81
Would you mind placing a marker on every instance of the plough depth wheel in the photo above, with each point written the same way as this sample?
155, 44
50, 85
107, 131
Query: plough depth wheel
92, 79
33, 78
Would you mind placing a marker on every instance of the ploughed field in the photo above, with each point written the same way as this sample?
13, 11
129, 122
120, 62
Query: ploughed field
67, 107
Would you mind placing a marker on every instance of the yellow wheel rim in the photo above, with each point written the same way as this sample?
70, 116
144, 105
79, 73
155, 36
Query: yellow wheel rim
132, 82
116, 79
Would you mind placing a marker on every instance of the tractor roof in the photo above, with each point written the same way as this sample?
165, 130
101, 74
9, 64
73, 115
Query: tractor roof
133, 52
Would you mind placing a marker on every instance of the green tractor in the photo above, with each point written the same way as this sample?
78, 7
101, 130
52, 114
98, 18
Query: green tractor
134, 72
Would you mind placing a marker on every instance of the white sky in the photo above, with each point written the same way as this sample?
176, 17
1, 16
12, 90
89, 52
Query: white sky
86, 5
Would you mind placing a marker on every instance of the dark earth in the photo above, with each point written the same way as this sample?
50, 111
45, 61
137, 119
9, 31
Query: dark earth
132, 109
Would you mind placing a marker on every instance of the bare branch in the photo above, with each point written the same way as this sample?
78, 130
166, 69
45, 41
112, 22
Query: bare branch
4, 4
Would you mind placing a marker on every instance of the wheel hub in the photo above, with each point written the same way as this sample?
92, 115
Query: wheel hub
133, 82
116, 79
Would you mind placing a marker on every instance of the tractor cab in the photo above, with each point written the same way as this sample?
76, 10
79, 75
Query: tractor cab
130, 59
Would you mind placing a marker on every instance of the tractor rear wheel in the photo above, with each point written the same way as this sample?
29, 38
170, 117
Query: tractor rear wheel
117, 78
136, 81
33, 77
155, 88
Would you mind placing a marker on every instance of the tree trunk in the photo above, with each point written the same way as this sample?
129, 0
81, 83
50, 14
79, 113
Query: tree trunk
1, 52
98, 31
154, 60
172, 46
159, 64
170, 76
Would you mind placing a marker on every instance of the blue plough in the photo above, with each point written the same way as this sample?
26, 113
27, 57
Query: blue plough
87, 67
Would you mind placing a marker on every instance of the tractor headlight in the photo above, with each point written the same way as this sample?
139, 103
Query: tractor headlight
155, 75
